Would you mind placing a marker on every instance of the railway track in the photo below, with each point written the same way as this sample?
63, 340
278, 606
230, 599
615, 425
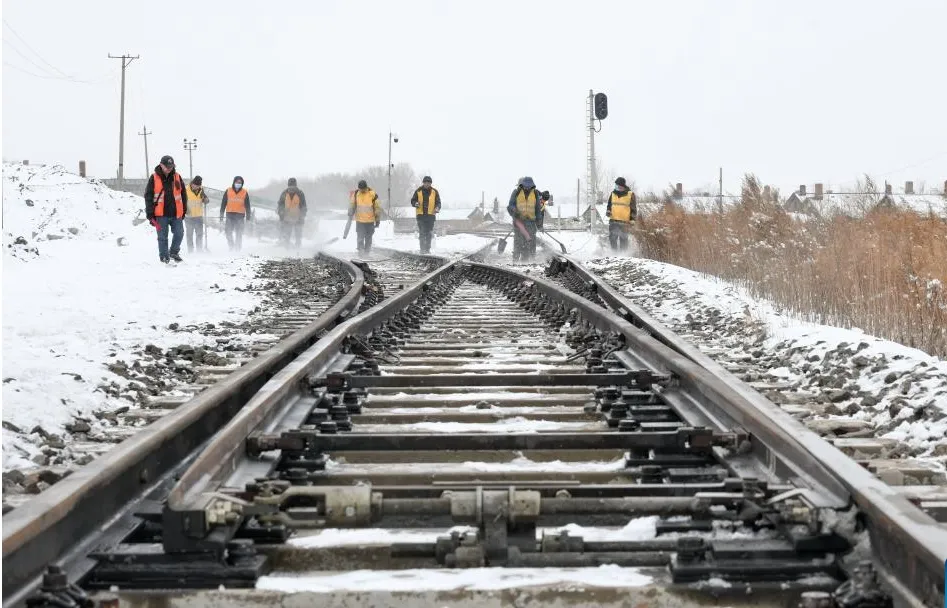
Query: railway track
465, 419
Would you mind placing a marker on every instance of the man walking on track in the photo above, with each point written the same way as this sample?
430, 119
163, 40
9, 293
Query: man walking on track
622, 211
427, 200
291, 209
165, 209
366, 210
525, 206
194, 221
236, 204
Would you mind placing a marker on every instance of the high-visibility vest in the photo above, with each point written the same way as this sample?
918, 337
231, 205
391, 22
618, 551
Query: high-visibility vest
195, 202
236, 201
365, 206
621, 206
526, 204
431, 201
291, 206
178, 196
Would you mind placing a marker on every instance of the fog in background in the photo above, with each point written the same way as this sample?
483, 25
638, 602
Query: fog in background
481, 93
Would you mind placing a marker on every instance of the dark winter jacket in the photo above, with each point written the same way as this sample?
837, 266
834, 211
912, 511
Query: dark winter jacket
422, 200
168, 197
246, 202
281, 204
511, 207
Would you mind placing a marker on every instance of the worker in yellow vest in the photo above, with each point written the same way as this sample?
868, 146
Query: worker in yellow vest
525, 206
291, 209
366, 210
622, 211
427, 200
194, 220
236, 204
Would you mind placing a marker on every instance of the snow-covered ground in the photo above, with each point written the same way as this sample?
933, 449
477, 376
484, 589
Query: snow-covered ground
842, 382
82, 287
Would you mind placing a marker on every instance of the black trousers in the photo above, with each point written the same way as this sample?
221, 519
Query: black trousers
523, 248
618, 234
425, 231
364, 232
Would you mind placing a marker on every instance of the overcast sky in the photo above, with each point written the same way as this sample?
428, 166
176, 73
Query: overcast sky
483, 92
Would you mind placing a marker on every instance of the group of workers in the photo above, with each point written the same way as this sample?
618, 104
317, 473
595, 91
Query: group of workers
365, 210
527, 207
170, 207
173, 208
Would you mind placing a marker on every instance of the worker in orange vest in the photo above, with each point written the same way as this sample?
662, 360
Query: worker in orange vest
236, 204
165, 209
291, 209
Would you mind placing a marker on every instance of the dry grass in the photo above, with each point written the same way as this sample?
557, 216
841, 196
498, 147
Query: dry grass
884, 272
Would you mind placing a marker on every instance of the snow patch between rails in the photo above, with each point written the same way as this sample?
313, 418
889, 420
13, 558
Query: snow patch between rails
510, 425
442, 579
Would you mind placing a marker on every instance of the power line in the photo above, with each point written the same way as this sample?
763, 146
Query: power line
923, 162
27, 45
33, 63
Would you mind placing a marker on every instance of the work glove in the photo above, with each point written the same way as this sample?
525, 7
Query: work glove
608, 214
221, 218
414, 204
437, 209
377, 224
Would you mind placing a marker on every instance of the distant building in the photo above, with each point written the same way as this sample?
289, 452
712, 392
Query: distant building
908, 199
853, 204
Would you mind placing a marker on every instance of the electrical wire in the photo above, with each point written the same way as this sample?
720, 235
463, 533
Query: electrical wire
49, 73
32, 50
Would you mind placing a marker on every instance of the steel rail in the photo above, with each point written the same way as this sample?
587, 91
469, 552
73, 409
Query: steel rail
907, 543
43, 529
221, 457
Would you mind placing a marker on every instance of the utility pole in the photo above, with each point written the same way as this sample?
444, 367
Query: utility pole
578, 196
591, 185
391, 138
190, 146
720, 197
145, 133
126, 61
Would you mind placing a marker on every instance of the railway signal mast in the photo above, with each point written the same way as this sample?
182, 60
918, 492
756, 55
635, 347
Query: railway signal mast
598, 110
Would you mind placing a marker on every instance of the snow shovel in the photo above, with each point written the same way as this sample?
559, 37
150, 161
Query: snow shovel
348, 226
501, 243
519, 226
561, 246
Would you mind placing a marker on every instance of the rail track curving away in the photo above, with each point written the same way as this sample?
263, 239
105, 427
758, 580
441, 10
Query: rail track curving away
471, 416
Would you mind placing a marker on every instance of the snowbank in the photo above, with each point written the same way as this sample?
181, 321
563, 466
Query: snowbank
82, 288
852, 382
74, 298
